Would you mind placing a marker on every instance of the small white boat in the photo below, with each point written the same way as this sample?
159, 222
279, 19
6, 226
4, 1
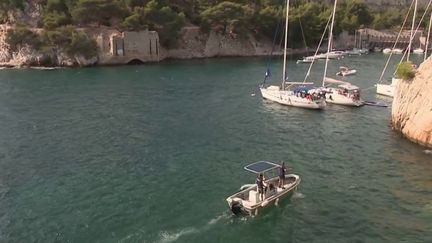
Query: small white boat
387, 51
397, 51
353, 52
364, 51
248, 201
377, 49
393, 51
345, 71
308, 59
418, 51
331, 55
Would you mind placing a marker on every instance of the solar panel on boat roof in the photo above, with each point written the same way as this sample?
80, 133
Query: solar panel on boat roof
260, 166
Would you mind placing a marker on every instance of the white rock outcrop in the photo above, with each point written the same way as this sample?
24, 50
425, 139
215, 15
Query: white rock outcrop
412, 106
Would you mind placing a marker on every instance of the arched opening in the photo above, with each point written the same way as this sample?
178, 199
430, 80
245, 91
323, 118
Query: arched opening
135, 61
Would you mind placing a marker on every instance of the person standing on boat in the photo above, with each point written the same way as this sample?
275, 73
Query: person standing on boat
261, 185
282, 172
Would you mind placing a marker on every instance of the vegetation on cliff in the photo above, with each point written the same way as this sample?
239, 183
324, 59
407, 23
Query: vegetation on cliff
405, 71
234, 17
64, 39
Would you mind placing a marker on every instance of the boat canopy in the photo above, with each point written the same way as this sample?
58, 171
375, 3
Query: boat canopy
334, 81
302, 89
261, 167
349, 87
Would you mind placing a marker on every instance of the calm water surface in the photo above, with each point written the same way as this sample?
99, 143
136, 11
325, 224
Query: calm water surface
149, 153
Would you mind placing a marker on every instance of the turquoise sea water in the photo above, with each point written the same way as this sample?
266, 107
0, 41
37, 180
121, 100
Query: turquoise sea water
149, 153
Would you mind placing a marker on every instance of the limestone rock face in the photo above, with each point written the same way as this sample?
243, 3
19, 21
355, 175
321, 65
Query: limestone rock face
412, 106
83, 61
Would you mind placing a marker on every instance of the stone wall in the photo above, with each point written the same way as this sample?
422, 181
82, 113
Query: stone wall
195, 44
123, 47
412, 106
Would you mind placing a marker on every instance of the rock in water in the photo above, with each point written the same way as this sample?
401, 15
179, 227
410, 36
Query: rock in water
412, 106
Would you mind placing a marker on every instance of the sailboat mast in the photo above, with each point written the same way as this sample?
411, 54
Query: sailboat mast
285, 46
355, 39
427, 38
329, 42
412, 31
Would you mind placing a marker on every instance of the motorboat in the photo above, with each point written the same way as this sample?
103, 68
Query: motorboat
331, 55
364, 51
353, 52
397, 51
345, 71
393, 51
377, 49
308, 59
387, 50
248, 201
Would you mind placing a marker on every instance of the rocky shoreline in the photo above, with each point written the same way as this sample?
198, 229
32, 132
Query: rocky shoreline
192, 44
412, 106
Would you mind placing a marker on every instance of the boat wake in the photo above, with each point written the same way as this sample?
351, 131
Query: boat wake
298, 195
172, 236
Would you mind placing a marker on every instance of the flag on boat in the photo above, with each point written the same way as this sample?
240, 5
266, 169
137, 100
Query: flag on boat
268, 74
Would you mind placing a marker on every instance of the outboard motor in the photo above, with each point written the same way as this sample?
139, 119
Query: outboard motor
236, 208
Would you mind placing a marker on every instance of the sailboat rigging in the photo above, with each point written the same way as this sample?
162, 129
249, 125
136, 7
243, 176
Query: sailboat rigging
291, 93
344, 93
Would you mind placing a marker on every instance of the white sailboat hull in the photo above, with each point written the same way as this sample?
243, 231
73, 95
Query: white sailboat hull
339, 99
287, 97
335, 96
385, 89
388, 89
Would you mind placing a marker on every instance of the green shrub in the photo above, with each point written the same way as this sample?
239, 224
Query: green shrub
405, 71
20, 36
55, 19
70, 41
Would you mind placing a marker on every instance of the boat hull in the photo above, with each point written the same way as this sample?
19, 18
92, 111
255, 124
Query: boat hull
338, 99
238, 205
347, 73
385, 89
286, 97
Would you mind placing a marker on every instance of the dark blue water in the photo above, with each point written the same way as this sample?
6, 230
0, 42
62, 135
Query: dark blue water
149, 153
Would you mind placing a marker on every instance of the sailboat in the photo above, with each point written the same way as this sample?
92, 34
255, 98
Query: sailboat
427, 38
344, 93
291, 93
388, 89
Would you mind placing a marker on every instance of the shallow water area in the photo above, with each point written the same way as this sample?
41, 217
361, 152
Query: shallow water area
149, 153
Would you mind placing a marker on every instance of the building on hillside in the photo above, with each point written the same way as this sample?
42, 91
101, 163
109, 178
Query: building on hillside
370, 38
128, 47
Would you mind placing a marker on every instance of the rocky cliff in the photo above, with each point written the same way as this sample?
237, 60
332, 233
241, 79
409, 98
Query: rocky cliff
412, 106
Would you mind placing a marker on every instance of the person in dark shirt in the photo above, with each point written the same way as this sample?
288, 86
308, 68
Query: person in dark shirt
282, 172
261, 185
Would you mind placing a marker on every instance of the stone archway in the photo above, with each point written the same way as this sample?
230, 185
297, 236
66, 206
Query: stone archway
135, 61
